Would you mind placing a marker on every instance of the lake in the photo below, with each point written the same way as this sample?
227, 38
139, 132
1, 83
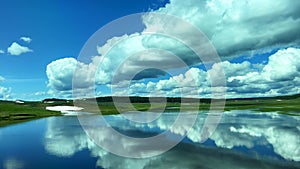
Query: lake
243, 139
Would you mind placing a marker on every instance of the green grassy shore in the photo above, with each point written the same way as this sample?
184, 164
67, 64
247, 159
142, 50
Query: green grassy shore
13, 112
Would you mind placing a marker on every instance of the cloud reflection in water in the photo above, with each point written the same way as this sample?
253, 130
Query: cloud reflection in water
278, 133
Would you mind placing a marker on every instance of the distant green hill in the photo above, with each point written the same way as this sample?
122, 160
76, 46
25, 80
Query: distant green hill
137, 99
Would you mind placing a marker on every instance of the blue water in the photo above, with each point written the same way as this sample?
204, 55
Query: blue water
242, 139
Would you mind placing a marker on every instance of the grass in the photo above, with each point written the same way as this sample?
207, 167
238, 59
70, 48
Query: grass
11, 112
289, 107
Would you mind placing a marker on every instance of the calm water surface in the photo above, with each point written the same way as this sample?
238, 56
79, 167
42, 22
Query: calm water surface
243, 140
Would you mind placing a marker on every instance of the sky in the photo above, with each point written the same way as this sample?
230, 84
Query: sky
257, 42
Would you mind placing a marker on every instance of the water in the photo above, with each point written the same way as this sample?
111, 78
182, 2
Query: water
242, 140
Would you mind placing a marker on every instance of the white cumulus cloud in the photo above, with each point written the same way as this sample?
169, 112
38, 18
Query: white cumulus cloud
238, 27
1, 51
234, 27
5, 92
60, 75
2, 79
243, 79
16, 49
26, 39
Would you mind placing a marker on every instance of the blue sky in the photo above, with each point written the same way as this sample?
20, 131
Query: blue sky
58, 29
258, 44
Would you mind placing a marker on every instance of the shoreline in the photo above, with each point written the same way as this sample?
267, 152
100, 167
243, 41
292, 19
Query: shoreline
13, 112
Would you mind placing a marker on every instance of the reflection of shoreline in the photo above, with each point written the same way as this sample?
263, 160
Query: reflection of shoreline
237, 129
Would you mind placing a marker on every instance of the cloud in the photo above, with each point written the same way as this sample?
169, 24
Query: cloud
60, 75
234, 27
2, 79
40, 93
243, 79
16, 49
26, 39
1, 51
291, 69
239, 27
273, 79
5, 93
